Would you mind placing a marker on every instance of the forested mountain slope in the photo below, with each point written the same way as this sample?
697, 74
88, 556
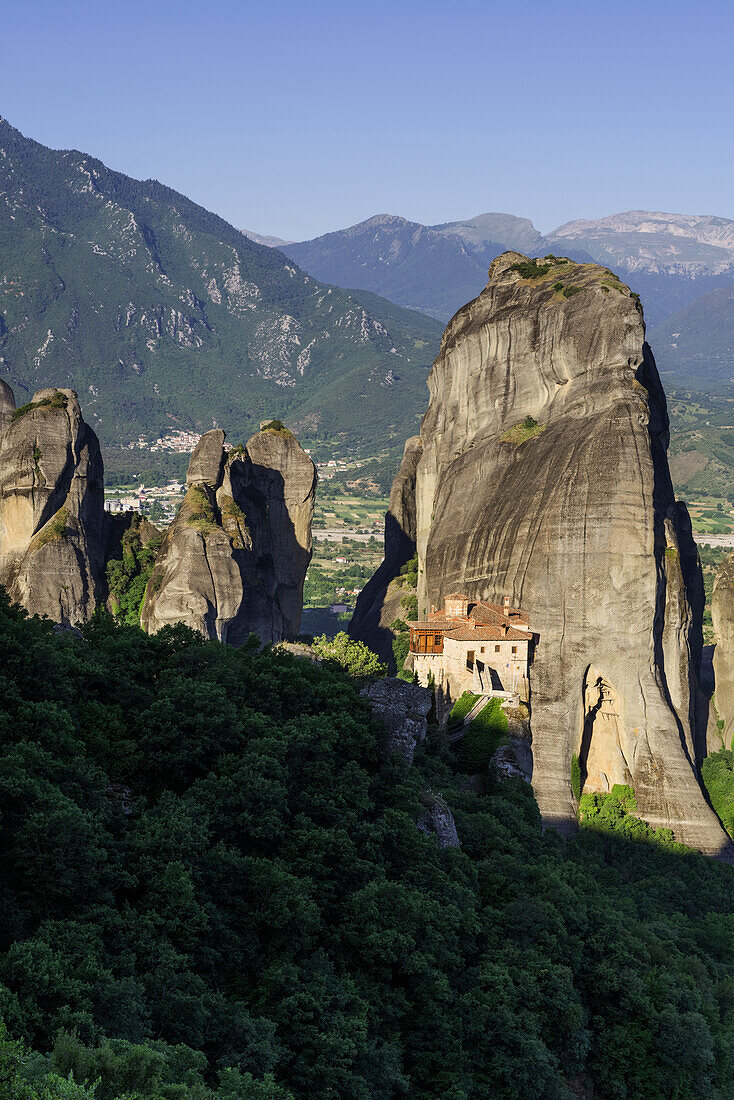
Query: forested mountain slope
161, 315
697, 342
435, 269
213, 889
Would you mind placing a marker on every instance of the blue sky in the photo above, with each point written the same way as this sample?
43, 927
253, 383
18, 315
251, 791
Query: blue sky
299, 118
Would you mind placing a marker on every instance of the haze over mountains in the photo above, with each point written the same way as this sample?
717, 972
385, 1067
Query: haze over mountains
674, 261
161, 315
432, 268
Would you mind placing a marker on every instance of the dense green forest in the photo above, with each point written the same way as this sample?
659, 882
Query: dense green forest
212, 886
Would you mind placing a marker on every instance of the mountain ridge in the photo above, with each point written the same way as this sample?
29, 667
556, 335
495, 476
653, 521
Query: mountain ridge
159, 313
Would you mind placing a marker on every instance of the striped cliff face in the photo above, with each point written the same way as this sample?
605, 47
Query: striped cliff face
544, 475
51, 507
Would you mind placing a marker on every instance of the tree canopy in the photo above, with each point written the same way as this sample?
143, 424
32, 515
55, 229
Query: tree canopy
212, 886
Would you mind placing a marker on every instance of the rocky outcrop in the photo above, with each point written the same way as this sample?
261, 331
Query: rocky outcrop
284, 485
722, 613
403, 709
438, 820
51, 507
378, 604
233, 561
544, 477
7, 405
513, 760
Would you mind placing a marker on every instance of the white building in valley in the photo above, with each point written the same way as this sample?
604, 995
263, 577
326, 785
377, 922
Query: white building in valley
480, 647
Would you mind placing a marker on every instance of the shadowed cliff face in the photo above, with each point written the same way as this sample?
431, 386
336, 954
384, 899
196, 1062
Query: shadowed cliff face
722, 613
234, 560
7, 405
378, 604
544, 477
51, 506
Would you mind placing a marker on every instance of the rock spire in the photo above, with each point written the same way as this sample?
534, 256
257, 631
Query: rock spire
543, 476
234, 560
51, 506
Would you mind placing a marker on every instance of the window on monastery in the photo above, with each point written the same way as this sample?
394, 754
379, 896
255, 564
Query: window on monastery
496, 649
514, 649
470, 658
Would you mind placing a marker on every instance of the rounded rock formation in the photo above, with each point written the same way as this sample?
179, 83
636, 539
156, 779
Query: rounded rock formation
544, 478
7, 405
51, 508
234, 560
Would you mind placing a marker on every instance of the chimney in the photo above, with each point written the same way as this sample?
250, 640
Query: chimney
506, 604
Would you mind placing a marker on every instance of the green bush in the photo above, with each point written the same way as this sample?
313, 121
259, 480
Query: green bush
355, 658
461, 707
522, 432
409, 604
409, 572
276, 426
56, 401
530, 269
127, 577
400, 648
614, 812
717, 772
483, 737
576, 778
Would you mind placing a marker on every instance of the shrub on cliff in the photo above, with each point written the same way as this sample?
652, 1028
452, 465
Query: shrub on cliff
483, 737
717, 772
614, 812
127, 577
353, 657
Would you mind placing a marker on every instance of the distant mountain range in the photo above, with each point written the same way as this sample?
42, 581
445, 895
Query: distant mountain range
161, 315
697, 342
675, 261
431, 268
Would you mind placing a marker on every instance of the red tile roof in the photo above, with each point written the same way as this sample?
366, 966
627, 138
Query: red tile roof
490, 615
487, 633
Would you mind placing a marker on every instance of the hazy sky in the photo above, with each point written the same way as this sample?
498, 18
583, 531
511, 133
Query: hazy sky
298, 118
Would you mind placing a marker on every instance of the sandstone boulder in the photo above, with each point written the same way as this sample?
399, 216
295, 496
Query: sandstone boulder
722, 613
234, 560
205, 465
7, 405
438, 820
403, 709
544, 477
286, 477
51, 508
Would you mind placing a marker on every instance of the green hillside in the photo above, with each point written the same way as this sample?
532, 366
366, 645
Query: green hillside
213, 889
161, 315
411, 264
696, 344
